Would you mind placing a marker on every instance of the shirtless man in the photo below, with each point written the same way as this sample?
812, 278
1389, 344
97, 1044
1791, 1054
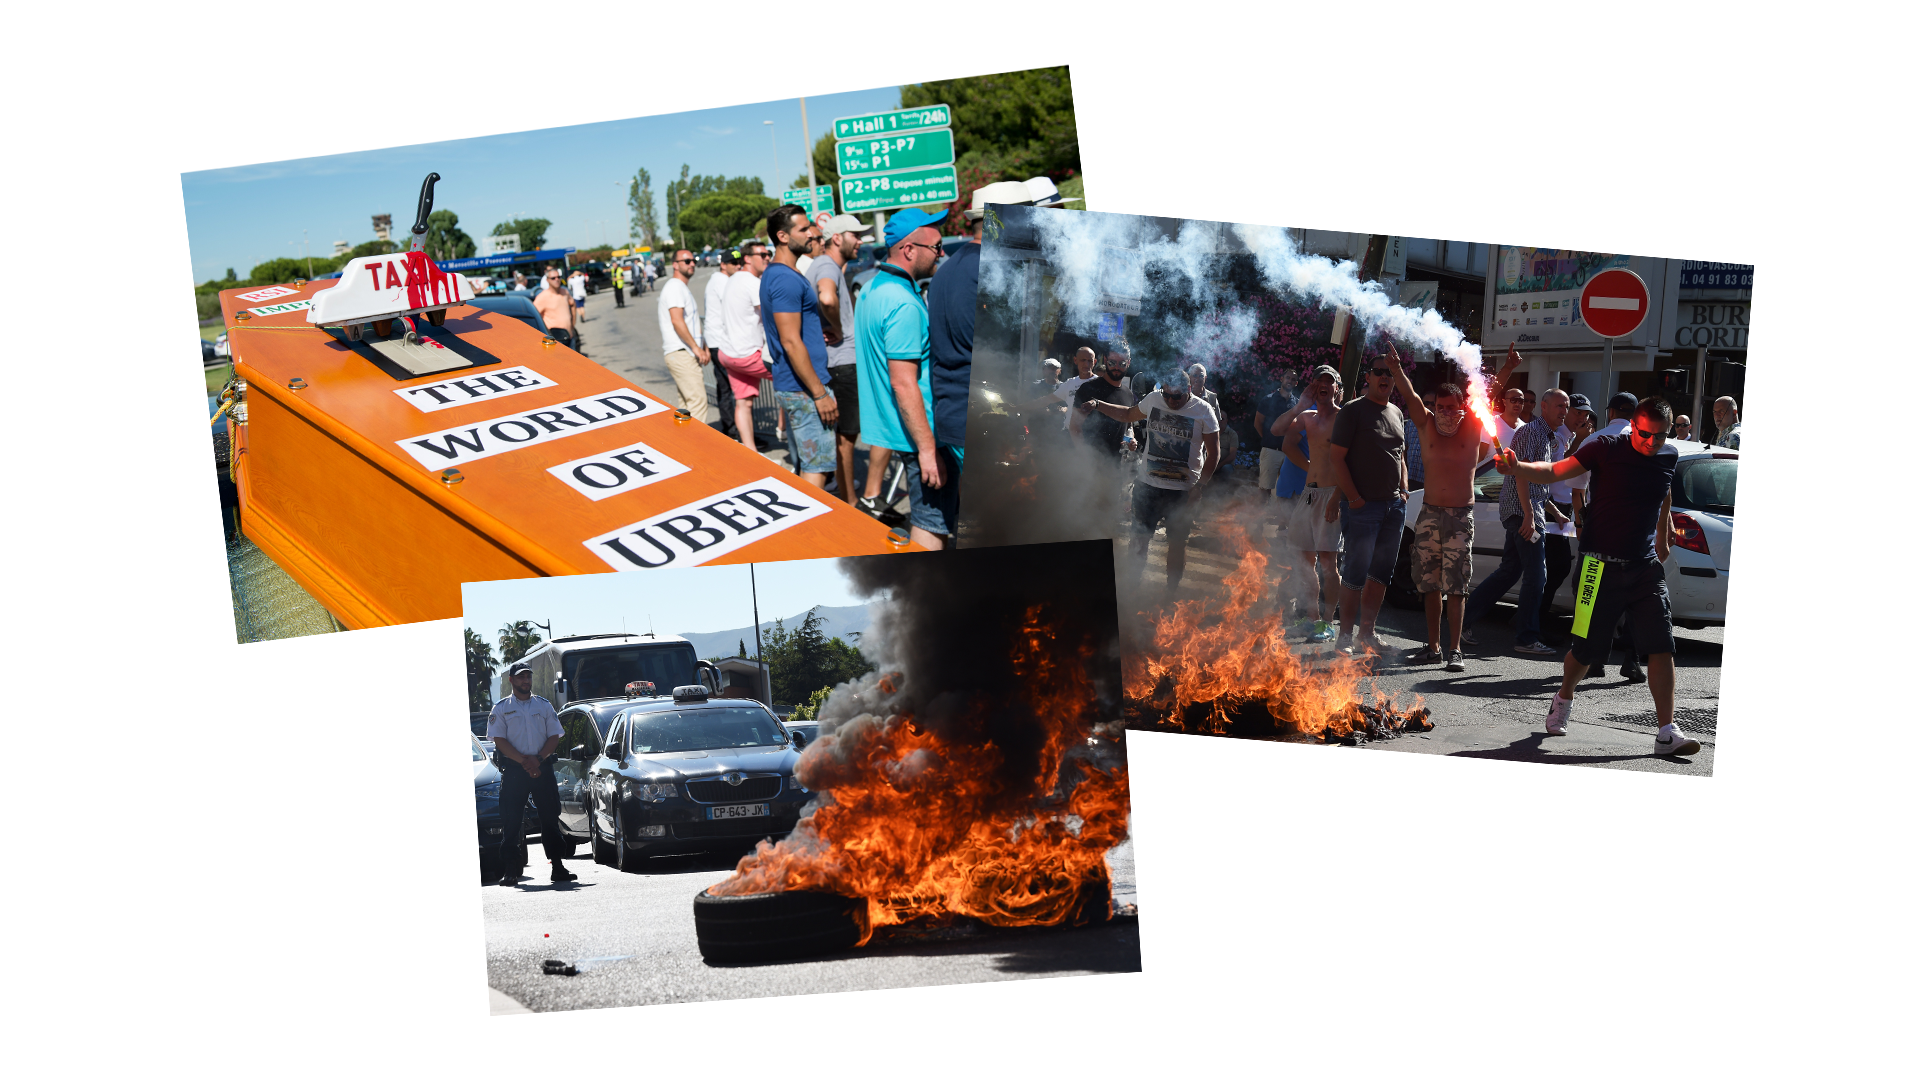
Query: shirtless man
1316, 538
1451, 445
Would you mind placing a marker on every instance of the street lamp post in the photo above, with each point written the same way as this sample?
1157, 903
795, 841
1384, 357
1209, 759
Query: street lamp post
776, 153
807, 139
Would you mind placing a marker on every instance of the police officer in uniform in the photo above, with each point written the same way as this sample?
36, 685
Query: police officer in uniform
525, 732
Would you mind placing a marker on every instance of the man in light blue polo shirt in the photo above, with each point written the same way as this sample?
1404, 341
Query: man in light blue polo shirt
896, 399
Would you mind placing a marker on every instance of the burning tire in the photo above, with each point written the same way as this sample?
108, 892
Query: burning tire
762, 927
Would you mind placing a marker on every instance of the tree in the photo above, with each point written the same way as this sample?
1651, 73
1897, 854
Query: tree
722, 217
275, 271
531, 231
1024, 118
645, 226
371, 247
480, 667
743, 648
810, 709
826, 166
444, 240
516, 640
804, 660
689, 189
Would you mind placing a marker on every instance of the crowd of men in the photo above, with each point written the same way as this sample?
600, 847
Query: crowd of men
1340, 474
885, 376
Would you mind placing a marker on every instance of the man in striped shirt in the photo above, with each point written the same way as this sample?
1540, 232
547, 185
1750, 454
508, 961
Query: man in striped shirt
1525, 511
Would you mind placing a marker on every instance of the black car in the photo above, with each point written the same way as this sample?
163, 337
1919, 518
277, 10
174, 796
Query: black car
486, 804
599, 276
681, 774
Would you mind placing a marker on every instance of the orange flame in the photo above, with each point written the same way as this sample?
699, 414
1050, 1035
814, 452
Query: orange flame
920, 825
1209, 661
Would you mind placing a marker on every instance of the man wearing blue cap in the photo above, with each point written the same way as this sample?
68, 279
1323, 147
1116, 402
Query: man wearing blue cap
896, 400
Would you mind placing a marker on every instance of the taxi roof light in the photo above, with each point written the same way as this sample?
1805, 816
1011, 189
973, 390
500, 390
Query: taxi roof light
692, 692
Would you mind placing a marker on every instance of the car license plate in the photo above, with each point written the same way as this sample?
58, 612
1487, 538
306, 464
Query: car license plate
718, 813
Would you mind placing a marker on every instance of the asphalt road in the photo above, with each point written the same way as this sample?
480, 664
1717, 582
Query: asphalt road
1496, 708
631, 938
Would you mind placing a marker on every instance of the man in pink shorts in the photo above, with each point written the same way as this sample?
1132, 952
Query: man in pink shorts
743, 342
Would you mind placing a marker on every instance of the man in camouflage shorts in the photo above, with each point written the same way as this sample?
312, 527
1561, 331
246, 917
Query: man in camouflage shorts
1451, 445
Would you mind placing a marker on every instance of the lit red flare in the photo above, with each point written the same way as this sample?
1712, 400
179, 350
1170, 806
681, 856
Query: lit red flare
919, 824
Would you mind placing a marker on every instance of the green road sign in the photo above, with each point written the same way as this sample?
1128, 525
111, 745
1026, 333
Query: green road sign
890, 153
892, 123
890, 191
815, 200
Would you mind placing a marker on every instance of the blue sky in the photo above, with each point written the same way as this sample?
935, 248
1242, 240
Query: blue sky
317, 114
694, 599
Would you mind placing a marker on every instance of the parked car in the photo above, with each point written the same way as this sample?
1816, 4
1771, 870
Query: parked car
208, 358
688, 773
599, 276
486, 803
517, 304
1709, 573
1703, 496
220, 348
803, 732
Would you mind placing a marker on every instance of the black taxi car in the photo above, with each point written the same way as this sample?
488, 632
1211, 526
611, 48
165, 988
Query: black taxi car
684, 773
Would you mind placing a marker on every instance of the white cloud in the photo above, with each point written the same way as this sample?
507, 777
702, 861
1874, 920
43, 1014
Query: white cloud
265, 154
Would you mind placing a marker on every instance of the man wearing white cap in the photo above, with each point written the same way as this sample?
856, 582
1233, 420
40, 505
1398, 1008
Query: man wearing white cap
840, 241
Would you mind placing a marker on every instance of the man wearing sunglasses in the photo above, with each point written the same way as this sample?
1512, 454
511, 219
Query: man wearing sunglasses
1627, 536
1367, 450
555, 305
892, 348
797, 348
684, 347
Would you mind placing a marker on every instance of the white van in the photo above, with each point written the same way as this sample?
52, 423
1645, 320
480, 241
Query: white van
588, 666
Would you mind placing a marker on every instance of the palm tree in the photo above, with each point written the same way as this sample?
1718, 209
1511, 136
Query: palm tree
516, 640
480, 667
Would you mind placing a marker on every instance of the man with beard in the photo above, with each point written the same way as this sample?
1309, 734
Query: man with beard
1098, 428
797, 347
1314, 535
686, 351
1368, 447
1451, 445
896, 399
1628, 535
826, 274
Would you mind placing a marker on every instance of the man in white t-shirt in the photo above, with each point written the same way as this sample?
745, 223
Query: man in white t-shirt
686, 350
1083, 360
744, 358
1181, 452
577, 285
717, 337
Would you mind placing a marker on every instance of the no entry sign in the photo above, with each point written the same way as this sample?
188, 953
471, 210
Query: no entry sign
1614, 303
